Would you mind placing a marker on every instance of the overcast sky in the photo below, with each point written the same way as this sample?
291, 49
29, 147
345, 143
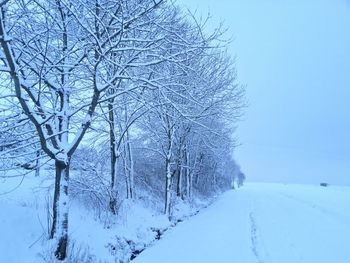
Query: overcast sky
294, 57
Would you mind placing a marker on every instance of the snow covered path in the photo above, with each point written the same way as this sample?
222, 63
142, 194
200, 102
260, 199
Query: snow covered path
263, 223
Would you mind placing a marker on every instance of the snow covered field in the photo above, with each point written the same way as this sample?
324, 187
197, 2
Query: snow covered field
270, 223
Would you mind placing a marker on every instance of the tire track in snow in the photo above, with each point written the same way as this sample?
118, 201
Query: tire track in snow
254, 238
330, 214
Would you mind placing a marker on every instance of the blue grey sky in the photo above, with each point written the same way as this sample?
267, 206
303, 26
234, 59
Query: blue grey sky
294, 57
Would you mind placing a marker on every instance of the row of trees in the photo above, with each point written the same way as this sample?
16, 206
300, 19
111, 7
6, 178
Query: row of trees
136, 81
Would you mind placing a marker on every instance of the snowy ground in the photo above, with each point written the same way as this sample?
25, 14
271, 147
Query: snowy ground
259, 223
24, 232
263, 223
24, 203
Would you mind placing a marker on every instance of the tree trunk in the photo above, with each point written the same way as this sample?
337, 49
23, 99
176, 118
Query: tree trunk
188, 175
126, 174
187, 185
59, 228
190, 193
37, 163
179, 172
113, 199
114, 157
179, 182
167, 187
128, 155
131, 168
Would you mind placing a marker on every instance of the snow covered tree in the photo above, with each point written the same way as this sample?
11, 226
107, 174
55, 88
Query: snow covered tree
140, 72
58, 56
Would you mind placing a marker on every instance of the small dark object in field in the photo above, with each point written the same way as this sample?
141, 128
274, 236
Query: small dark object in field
324, 184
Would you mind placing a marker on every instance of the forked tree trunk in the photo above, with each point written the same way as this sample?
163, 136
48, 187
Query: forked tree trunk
59, 229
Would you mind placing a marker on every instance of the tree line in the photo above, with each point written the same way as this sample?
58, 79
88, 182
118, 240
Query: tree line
134, 94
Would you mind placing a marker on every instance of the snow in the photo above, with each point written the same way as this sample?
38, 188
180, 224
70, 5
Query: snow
101, 238
263, 223
268, 223
21, 220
